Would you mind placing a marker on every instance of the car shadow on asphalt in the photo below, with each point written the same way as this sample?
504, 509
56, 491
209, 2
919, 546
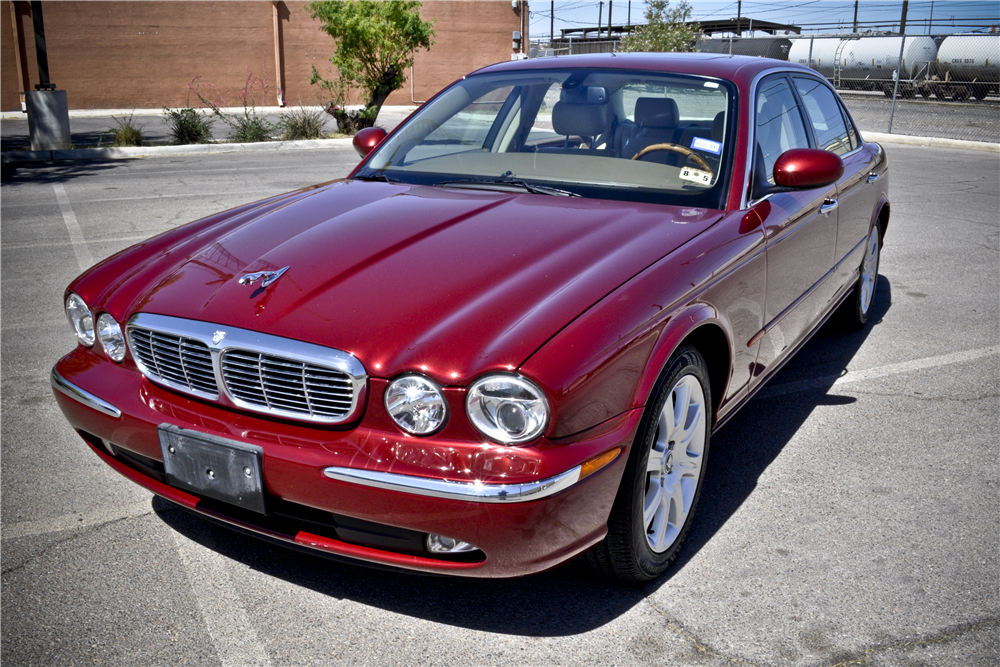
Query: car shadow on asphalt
569, 599
747, 445
55, 172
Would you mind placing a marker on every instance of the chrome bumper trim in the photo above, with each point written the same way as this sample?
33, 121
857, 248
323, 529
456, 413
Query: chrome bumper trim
476, 492
85, 397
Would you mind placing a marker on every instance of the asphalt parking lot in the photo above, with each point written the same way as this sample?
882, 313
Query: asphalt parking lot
849, 515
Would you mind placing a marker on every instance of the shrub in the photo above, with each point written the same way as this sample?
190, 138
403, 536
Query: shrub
302, 124
188, 126
126, 134
248, 127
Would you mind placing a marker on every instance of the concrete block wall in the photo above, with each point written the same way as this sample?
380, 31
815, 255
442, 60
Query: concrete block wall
112, 55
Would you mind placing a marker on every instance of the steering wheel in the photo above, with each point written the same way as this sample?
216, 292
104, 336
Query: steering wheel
676, 149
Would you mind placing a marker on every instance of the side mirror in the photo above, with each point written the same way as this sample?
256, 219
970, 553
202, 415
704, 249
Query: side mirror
804, 168
367, 139
797, 169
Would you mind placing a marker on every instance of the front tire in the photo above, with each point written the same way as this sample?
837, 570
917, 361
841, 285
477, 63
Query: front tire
663, 477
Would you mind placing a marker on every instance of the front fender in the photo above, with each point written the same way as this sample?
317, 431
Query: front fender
709, 292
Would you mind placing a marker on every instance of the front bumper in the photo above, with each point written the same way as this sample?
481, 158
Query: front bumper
522, 506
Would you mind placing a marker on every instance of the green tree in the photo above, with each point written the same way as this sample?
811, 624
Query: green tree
666, 29
375, 43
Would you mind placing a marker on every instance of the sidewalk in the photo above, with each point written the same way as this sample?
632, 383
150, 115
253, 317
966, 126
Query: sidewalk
87, 126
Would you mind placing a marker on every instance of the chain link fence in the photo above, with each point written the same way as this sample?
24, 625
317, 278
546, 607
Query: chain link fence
947, 86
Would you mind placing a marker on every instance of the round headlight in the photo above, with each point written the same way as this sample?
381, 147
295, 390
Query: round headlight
416, 404
80, 319
110, 335
507, 408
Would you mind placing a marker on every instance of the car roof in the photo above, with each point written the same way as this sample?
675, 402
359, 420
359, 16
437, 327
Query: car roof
709, 64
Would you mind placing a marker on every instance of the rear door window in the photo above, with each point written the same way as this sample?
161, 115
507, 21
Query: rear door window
826, 116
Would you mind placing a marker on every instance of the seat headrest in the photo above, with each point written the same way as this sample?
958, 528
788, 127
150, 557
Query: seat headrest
656, 112
586, 120
718, 126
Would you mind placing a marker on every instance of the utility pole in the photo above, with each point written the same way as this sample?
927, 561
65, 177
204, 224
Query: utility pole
739, 17
552, 22
600, 17
899, 64
610, 2
930, 23
630, 12
855, 29
41, 53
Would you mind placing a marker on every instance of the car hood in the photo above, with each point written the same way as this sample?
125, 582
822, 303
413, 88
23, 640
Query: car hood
448, 282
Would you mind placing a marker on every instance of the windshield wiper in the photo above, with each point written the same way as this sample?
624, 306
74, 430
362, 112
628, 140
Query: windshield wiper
507, 182
375, 176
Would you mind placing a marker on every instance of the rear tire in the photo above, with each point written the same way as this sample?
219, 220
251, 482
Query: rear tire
864, 289
662, 481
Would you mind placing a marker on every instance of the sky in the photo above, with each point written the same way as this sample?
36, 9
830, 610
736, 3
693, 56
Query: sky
814, 16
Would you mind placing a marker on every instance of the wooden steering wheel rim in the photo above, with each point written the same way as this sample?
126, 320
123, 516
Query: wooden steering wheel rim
677, 149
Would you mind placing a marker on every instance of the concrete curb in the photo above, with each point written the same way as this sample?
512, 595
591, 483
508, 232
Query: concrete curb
10, 157
935, 142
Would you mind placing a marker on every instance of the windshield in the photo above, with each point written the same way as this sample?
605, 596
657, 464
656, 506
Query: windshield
638, 136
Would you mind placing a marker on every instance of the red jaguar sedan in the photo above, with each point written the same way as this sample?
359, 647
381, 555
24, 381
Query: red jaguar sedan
506, 339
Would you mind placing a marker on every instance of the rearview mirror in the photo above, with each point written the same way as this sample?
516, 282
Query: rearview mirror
584, 95
367, 139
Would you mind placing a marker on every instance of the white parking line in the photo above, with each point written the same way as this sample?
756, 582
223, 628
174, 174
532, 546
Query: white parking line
834, 381
57, 244
80, 249
184, 195
235, 640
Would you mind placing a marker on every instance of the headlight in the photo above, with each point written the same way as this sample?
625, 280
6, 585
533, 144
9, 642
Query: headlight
110, 335
507, 408
416, 404
80, 319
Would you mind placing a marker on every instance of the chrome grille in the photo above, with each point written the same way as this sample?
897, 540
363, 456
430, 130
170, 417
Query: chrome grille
285, 385
176, 360
247, 369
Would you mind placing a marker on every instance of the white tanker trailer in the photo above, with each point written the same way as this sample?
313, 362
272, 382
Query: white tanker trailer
970, 66
971, 61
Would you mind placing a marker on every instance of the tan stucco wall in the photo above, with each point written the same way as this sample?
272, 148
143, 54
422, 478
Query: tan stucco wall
144, 54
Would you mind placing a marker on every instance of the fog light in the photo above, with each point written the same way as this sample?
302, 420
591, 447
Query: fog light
439, 544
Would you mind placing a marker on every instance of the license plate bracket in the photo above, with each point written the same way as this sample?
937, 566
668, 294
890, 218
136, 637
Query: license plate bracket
214, 467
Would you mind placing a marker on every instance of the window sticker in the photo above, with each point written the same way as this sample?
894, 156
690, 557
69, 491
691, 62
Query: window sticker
696, 176
707, 145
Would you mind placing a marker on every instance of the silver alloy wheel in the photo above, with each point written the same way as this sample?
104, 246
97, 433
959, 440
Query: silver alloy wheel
869, 271
674, 466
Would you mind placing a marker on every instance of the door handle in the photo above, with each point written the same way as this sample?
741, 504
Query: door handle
828, 207
872, 177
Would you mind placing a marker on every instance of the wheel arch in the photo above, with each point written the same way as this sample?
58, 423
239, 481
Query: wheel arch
882, 217
702, 329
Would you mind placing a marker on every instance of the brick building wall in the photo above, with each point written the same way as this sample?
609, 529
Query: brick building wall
143, 54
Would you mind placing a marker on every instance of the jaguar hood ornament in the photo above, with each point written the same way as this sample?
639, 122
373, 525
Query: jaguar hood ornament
268, 277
